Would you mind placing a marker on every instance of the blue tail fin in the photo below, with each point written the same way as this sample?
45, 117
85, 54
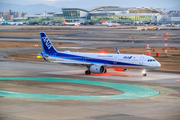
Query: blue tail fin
46, 44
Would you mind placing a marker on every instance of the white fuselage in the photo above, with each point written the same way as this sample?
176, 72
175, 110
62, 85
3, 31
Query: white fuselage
15, 23
111, 24
72, 23
125, 61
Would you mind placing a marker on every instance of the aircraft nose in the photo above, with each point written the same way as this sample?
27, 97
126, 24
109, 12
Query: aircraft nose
158, 64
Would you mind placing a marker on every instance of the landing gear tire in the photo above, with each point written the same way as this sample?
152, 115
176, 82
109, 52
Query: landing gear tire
87, 72
105, 71
144, 74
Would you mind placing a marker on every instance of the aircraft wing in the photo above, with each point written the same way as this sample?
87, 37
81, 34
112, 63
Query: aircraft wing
73, 63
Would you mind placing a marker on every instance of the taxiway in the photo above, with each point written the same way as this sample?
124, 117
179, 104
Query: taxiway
163, 106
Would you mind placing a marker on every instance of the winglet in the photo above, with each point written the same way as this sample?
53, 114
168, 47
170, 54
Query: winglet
102, 20
117, 51
46, 44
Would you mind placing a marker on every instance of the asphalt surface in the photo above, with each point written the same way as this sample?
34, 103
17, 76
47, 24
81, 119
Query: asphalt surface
164, 106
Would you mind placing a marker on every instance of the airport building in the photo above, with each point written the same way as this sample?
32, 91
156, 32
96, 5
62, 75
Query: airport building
108, 13
9, 15
75, 14
172, 17
35, 19
125, 15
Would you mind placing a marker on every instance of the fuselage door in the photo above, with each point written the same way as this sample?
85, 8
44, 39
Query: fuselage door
84, 58
115, 60
141, 60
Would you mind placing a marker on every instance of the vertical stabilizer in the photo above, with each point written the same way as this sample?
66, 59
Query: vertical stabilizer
102, 20
64, 21
46, 44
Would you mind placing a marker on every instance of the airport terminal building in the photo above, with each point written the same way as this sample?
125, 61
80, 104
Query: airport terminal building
108, 13
125, 15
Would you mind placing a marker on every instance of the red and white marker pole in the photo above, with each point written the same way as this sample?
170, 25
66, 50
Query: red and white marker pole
148, 50
165, 43
165, 46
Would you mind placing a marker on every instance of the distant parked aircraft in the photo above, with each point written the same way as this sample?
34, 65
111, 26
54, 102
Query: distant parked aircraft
70, 23
15, 23
109, 24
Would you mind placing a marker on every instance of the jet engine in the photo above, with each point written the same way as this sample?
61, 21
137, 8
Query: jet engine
97, 69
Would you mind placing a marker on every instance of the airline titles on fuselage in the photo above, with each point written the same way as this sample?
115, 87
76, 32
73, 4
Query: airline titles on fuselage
128, 57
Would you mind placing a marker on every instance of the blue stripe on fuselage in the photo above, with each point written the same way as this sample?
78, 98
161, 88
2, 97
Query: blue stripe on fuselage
88, 59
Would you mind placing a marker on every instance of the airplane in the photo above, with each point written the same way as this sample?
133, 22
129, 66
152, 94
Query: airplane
70, 23
96, 62
173, 25
168, 25
15, 23
109, 24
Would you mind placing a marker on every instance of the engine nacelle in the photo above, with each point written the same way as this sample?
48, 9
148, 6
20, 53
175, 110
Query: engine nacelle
97, 69
119, 69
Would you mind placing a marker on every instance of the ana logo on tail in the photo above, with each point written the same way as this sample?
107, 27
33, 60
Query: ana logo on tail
47, 42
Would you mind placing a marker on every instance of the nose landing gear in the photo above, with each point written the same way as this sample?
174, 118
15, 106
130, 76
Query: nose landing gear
144, 72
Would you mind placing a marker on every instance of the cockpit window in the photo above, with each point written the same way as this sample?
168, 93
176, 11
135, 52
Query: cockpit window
151, 60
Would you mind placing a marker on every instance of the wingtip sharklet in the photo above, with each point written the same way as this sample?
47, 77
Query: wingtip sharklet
117, 51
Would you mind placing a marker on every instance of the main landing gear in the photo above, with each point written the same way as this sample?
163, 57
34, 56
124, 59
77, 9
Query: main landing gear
87, 72
144, 72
